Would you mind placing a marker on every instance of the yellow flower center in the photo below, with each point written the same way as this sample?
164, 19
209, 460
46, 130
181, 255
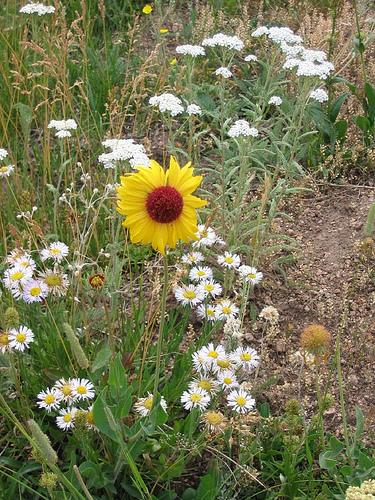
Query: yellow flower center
25, 263
226, 310
49, 399
148, 403
4, 339
195, 398
81, 389
90, 418
212, 354
205, 384
214, 418
223, 363
55, 251
189, 294
17, 275
21, 337
66, 390
227, 380
210, 312
245, 356
241, 401
53, 280
252, 276
35, 291
3, 169
201, 273
209, 288
228, 260
67, 417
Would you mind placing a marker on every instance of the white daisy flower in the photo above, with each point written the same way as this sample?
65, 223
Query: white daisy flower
26, 261
56, 251
251, 57
189, 295
245, 357
198, 398
229, 260
214, 421
207, 311
192, 258
240, 401
82, 388
200, 273
34, 291
49, 399
198, 361
17, 275
210, 287
56, 281
227, 379
250, 274
65, 420
16, 254
6, 170
275, 100
208, 384
226, 310
221, 364
65, 388
210, 353
3, 154
206, 236
144, 405
224, 72
90, 418
4, 342
20, 338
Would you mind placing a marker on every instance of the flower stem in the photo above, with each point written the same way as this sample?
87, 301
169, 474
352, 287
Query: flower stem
161, 327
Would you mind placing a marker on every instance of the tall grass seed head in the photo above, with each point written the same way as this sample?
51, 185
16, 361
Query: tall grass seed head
48, 480
11, 318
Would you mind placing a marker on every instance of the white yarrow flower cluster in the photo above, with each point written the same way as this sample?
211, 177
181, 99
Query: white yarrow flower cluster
275, 100
242, 127
319, 95
123, 150
167, 102
224, 72
191, 50
63, 127
194, 109
251, 57
37, 8
279, 35
221, 40
262, 30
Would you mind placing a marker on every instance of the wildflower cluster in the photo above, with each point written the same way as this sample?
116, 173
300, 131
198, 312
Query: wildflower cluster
37, 8
63, 127
222, 376
365, 492
25, 282
5, 170
17, 339
123, 150
70, 393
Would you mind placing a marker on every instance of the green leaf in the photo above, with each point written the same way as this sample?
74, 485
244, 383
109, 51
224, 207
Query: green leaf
325, 461
370, 93
362, 123
336, 447
365, 462
360, 425
101, 359
341, 127
189, 494
26, 116
100, 412
117, 377
336, 106
340, 79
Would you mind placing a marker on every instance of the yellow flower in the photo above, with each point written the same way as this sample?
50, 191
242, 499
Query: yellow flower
163, 31
159, 206
173, 62
147, 9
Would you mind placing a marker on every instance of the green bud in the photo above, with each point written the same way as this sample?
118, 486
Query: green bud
75, 346
45, 450
11, 318
48, 480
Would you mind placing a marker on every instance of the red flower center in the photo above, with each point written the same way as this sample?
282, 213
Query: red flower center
164, 204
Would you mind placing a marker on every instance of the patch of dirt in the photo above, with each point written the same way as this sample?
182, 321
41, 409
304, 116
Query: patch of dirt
332, 283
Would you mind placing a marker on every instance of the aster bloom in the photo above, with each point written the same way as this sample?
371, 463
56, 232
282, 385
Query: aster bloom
26, 261
17, 275
210, 287
194, 109
245, 358
224, 72
56, 281
37, 8
240, 401
3, 154
190, 50
192, 258
221, 40
241, 127
4, 342
207, 312
275, 100
218, 365
6, 170
200, 273
65, 420
144, 405
50, 399
56, 251
167, 102
226, 310
34, 291
214, 421
189, 295
63, 127
65, 388
208, 384
232, 261
123, 150
251, 57
210, 353
159, 206
20, 338
227, 379
14, 255
82, 389
250, 274
198, 361
195, 398
97, 281
319, 95
206, 236
90, 419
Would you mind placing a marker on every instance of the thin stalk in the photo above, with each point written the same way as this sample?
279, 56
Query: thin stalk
320, 405
360, 38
